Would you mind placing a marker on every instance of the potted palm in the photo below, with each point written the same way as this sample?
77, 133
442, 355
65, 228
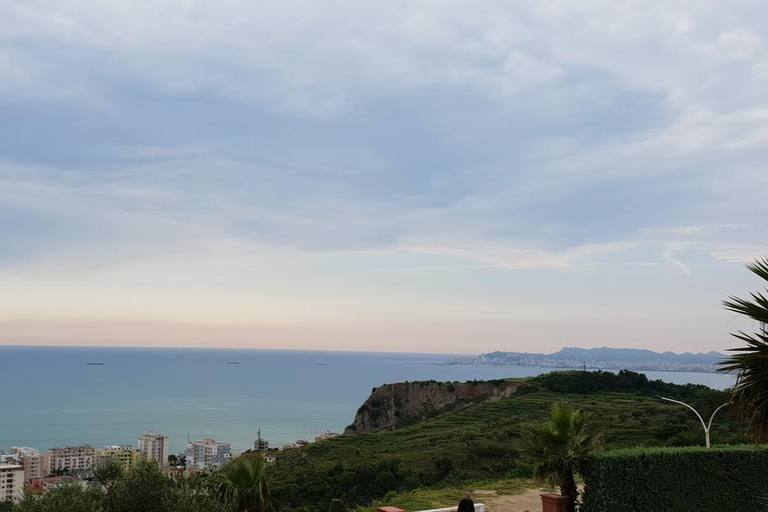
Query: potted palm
558, 447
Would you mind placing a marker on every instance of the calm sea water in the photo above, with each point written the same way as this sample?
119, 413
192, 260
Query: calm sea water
51, 397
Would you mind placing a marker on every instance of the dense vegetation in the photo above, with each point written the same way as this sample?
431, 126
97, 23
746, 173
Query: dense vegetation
726, 478
146, 489
479, 441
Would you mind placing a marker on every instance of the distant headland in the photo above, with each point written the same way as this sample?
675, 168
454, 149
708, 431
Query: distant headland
604, 358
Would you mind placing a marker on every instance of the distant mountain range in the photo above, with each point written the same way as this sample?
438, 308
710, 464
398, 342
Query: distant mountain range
637, 354
609, 359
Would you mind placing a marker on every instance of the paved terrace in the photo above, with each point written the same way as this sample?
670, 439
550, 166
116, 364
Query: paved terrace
479, 507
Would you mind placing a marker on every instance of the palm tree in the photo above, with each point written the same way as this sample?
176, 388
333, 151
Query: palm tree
751, 362
558, 448
242, 483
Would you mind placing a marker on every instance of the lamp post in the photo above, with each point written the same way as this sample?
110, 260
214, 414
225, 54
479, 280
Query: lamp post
706, 426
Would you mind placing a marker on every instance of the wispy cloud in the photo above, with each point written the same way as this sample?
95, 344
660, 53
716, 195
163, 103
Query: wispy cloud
550, 136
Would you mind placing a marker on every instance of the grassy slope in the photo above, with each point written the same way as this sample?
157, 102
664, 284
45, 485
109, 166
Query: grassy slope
479, 440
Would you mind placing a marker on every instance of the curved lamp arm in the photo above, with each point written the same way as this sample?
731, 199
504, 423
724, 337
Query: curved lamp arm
713, 414
706, 427
691, 408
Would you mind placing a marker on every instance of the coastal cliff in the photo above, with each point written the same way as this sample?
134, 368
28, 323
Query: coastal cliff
394, 405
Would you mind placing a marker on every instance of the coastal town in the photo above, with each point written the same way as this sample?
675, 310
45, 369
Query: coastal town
27, 470
613, 359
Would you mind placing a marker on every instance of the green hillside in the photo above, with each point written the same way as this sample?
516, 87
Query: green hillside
479, 442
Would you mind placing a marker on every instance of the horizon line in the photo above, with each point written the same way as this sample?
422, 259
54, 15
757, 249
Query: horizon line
185, 347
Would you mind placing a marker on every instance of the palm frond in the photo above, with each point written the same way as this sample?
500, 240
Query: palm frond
242, 483
750, 362
759, 267
558, 446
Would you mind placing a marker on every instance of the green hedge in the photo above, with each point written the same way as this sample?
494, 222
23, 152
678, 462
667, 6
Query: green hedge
722, 479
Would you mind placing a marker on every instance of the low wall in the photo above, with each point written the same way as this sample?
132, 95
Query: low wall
479, 507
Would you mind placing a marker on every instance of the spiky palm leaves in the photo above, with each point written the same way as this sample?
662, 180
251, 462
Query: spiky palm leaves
751, 362
558, 448
242, 483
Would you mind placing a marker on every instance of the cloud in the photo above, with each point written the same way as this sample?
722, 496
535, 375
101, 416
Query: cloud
554, 136
293, 55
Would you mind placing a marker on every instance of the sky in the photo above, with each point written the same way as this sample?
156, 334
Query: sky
451, 177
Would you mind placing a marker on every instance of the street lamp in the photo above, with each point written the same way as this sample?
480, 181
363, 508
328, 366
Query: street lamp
706, 427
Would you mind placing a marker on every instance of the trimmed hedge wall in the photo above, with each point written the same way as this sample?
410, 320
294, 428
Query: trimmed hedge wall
692, 479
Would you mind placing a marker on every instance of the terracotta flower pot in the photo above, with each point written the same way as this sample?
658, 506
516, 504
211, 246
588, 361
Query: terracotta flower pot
554, 503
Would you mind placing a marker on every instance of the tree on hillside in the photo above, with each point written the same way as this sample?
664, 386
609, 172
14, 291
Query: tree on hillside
108, 472
242, 483
751, 362
558, 447
191, 496
145, 488
72, 498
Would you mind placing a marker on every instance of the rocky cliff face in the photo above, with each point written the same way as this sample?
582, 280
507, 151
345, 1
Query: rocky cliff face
394, 405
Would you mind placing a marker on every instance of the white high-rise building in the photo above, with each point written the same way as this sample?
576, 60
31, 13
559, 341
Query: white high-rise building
207, 454
154, 446
11, 483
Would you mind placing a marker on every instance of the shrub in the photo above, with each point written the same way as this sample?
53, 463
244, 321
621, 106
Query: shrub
521, 469
492, 448
337, 506
722, 478
443, 466
72, 498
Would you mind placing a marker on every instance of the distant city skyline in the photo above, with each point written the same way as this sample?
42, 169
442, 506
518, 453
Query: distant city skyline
444, 177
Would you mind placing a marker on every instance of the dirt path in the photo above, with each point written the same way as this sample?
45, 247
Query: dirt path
528, 500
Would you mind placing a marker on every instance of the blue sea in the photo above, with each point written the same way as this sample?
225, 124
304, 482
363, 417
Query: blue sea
52, 397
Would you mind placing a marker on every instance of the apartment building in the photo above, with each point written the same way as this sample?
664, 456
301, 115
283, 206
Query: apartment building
154, 446
71, 459
125, 455
11, 483
31, 460
207, 454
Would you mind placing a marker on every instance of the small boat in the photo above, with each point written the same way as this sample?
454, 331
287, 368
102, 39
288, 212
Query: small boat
233, 362
321, 364
94, 364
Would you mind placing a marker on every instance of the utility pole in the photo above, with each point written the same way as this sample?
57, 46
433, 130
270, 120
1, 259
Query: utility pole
707, 427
